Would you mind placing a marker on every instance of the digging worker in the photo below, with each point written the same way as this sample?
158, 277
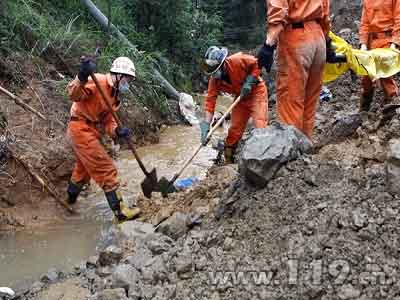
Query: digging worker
379, 28
89, 113
237, 74
299, 28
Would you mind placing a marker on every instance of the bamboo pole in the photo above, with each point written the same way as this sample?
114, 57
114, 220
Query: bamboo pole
42, 182
21, 103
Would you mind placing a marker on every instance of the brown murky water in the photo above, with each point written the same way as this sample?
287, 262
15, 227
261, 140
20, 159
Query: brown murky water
24, 256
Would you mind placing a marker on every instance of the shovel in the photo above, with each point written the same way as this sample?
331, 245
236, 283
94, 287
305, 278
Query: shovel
150, 182
166, 187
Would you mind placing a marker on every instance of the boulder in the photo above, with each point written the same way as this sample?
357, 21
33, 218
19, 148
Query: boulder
268, 149
110, 256
125, 276
175, 226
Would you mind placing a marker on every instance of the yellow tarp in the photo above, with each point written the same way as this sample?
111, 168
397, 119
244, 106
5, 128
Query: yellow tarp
377, 63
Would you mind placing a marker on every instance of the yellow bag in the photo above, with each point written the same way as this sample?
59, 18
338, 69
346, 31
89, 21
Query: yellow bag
376, 63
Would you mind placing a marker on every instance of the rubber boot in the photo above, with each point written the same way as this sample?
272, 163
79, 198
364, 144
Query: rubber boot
121, 212
73, 191
229, 152
366, 101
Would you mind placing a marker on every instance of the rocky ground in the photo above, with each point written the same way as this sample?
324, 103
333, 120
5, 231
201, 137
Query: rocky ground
325, 227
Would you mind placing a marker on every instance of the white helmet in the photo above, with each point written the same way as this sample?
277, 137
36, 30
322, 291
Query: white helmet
123, 65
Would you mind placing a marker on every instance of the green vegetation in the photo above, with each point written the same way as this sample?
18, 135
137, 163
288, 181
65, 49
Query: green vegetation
170, 35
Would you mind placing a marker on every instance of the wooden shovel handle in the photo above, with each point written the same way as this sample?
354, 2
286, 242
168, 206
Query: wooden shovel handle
117, 119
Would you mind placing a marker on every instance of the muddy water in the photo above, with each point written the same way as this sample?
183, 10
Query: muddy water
24, 256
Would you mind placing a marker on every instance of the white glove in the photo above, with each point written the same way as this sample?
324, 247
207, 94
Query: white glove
363, 47
394, 46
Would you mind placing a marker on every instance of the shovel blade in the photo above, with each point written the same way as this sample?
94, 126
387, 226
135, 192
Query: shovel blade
149, 184
390, 109
165, 187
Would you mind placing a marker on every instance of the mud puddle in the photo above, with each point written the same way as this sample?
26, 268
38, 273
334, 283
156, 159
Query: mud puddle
25, 256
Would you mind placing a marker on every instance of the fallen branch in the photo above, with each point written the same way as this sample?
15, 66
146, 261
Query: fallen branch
42, 182
21, 103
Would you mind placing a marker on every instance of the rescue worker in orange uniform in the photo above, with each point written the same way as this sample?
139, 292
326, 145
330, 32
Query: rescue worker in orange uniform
299, 29
379, 28
88, 114
237, 74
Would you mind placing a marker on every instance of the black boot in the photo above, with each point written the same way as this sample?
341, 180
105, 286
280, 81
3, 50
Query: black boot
121, 212
73, 191
366, 101
229, 153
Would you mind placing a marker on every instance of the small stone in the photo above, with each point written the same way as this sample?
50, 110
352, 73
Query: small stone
201, 263
184, 266
229, 244
51, 276
92, 262
112, 294
348, 292
36, 287
360, 220
110, 256
140, 258
104, 271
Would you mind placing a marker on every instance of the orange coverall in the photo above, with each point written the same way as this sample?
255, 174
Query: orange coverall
87, 113
380, 26
299, 27
238, 66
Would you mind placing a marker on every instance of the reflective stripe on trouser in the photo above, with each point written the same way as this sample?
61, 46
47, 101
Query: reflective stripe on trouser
301, 60
255, 107
92, 159
388, 84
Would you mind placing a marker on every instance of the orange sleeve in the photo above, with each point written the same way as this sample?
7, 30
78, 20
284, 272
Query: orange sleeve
78, 92
277, 18
252, 67
110, 125
212, 95
364, 26
396, 26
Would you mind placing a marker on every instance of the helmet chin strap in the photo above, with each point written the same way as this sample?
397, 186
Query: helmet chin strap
115, 90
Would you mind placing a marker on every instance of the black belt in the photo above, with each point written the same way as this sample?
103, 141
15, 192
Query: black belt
75, 119
298, 25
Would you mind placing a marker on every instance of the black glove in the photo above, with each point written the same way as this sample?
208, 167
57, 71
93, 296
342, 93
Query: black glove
248, 85
87, 67
331, 56
123, 132
266, 57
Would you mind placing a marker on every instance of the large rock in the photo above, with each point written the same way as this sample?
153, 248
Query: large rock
141, 256
110, 256
175, 226
135, 230
125, 276
393, 167
268, 149
159, 243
